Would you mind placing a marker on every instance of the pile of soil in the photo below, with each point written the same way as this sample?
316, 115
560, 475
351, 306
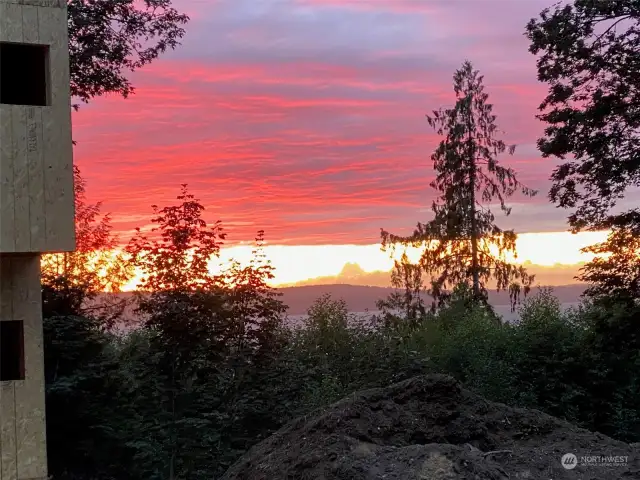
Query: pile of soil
430, 428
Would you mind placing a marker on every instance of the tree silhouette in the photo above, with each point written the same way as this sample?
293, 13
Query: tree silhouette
176, 256
108, 38
254, 305
462, 243
615, 272
589, 55
182, 304
72, 280
406, 277
209, 334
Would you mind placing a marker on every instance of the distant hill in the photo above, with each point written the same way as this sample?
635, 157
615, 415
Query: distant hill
353, 274
362, 298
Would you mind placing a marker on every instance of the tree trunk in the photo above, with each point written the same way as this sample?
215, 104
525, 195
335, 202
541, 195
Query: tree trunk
472, 200
174, 439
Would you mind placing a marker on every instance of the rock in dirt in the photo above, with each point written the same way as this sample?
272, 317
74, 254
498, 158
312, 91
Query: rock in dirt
430, 428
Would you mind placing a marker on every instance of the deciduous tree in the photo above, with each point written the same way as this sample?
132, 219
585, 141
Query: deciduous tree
175, 256
211, 336
182, 304
109, 38
255, 306
589, 56
614, 273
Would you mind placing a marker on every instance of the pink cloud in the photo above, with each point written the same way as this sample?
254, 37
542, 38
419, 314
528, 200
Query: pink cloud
317, 148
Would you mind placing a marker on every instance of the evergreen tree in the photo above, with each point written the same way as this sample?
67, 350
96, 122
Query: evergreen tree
406, 277
463, 243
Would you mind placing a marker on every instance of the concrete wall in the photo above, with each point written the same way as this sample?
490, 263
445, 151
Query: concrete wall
36, 166
22, 410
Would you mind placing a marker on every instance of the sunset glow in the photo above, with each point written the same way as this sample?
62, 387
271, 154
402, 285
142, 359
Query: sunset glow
295, 264
318, 139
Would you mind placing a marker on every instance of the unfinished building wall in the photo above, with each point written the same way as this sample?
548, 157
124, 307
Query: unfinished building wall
36, 168
36, 214
22, 409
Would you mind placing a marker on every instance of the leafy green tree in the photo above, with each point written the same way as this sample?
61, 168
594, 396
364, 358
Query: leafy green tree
108, 38
254, 305
255, 339
85, 424
611, 352
324, 347
463, 243
184, 309
614, 274
176, 257
588, 55
327, 320
212, 340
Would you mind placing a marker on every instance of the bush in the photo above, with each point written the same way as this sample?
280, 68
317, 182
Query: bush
581, 365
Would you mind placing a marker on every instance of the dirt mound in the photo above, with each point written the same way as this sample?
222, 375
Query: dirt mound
430, 428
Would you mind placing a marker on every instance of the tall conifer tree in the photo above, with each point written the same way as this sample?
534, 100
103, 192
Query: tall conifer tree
463, 244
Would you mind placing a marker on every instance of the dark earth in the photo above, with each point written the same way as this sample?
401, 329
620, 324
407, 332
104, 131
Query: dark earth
430, 428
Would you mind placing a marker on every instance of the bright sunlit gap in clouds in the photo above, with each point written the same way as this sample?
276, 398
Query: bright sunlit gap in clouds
298, 263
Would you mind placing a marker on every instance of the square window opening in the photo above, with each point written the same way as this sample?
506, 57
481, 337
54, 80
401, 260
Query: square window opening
11, 350
24, 74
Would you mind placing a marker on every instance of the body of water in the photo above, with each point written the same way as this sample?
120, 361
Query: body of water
503, 310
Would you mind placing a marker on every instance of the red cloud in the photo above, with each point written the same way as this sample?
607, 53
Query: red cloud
312, 151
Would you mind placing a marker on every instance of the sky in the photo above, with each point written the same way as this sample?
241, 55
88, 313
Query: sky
306, 118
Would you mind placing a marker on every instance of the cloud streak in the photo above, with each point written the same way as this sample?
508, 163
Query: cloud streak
306, 117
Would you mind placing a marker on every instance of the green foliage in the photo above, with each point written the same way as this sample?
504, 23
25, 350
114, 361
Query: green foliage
254, 306
615, 271
327, 321
84, 406
212, 370
407, 301
211, 340
588, 55
188, 405
548, 364
463, 243
612, 350
175, 258
108, 38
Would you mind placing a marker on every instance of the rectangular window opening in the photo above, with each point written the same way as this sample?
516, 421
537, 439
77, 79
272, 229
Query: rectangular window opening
24, 74
11, 350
